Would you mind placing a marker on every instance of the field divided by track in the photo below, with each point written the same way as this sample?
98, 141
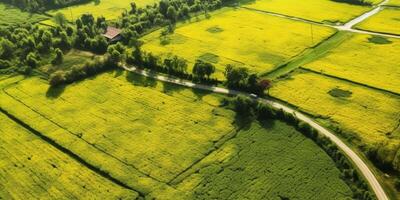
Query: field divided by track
10, 15
367, 115
238, 36
267, 160
365, 59
146, 134
110, 9
315, 10
386, 21
33, 169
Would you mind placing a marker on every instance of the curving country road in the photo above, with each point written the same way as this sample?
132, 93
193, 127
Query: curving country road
369, 176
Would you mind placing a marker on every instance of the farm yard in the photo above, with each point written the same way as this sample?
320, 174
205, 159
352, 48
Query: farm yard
147, 132
109, 9
10, 15
240, 37
311, 9
386, 21
207, 99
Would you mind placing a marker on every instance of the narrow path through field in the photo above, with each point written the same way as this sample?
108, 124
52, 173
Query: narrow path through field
345, 27
367, 173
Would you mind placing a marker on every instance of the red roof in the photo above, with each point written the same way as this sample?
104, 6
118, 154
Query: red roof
111, 32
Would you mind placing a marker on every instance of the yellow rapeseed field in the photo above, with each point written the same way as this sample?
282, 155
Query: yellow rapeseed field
364, 59
241, 37
33, 169
369, 115
315, 10
394, 2
110, 9
386, 21
147, 134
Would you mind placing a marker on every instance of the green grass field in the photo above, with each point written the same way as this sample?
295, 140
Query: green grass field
109, 9
72, 58
365, 59
33, 169
386, 21
369, 116
266, 161
146, 134
315, 10
10, 15
241, 37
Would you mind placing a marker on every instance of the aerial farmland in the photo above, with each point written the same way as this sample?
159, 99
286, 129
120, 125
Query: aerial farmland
205, 99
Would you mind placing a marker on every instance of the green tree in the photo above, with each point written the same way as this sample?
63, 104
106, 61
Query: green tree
59, 57
171, 13
6, 49
60, 19
31, 60
236, 77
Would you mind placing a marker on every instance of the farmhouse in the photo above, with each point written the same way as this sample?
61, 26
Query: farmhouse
112, 34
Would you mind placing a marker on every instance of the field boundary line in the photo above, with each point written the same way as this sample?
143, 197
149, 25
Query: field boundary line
218, 144
350, 81
356, 160
75, 135
68, 152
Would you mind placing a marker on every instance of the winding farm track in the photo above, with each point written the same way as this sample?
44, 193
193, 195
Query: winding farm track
345, 27
369, 176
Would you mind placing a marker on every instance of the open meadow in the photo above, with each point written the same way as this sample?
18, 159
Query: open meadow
240, 37
10, 15
314, 10
361, 59
150, 135
110, 9
368, 116
33, 169
386, 21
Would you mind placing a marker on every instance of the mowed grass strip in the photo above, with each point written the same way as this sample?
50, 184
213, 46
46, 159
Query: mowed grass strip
386, 21
157, 128
365, 59
33, 169
268, 160
10, 15
315, 10
367, 115
238, 36
110, 9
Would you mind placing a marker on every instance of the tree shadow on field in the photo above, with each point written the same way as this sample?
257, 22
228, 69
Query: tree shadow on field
139, 80
243, 122
53, 92
200, 93
117, 73
170, 88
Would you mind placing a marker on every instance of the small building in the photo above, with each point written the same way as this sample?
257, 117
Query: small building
112, 34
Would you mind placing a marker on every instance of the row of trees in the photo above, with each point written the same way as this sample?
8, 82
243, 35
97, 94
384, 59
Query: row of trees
137, 21
249, 108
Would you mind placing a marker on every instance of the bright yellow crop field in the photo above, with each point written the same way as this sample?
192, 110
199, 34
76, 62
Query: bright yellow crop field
315, 10
364, 59
394, 2
32, 169
368, 114
239, 36
110, 9
386, 21
145, 134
